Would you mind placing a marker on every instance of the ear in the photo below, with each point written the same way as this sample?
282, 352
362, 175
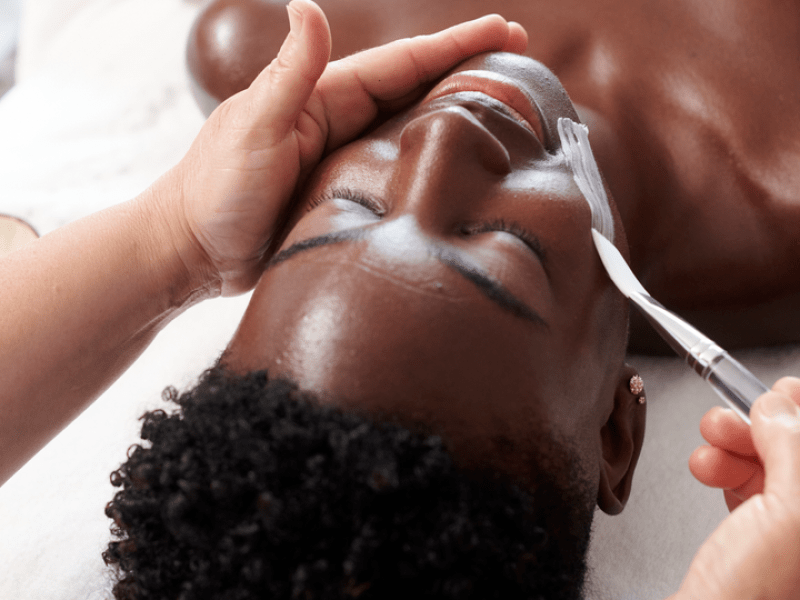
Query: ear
621, 439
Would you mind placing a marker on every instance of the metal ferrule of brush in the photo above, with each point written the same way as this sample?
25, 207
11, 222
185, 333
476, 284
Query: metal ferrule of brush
703, 356
728, 377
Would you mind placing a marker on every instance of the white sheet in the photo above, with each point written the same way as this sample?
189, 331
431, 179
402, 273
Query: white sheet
9, 20
102, 108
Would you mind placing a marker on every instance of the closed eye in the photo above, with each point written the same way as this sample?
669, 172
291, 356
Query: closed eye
350, 195
372, 205
528, 238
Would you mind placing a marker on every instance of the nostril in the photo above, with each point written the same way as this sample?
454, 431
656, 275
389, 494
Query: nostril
453, 136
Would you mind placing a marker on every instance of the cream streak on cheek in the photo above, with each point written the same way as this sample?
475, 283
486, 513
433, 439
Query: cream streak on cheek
575, 144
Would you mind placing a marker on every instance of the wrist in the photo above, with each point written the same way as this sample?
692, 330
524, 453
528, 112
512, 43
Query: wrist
178, 263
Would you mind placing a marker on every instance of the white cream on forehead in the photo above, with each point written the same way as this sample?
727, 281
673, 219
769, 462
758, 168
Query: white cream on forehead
392, 240
575, 144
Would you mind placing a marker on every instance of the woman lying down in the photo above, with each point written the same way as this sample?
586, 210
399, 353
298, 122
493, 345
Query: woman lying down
427, 395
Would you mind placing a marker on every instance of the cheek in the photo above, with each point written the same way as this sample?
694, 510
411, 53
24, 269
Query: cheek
594, 351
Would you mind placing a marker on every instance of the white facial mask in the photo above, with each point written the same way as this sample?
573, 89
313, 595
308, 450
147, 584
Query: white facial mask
575, 144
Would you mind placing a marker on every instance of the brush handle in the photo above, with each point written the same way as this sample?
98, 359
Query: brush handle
734, 383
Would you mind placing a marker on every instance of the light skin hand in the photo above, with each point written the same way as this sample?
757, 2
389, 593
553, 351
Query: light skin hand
239, 176
730, 461
755, 553
80, 304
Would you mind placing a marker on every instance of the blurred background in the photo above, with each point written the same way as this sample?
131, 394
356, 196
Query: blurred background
9, 33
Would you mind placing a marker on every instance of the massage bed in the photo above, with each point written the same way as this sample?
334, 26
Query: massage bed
102, 107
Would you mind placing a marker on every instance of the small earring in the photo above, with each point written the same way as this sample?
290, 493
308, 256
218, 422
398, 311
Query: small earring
641, 400
636, 385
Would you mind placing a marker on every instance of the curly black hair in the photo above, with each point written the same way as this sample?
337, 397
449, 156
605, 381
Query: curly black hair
252, 489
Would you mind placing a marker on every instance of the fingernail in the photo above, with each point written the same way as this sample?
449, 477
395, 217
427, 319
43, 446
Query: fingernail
295, 16
779, 407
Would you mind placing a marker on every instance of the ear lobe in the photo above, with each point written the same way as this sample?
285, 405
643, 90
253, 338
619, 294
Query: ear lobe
621, 439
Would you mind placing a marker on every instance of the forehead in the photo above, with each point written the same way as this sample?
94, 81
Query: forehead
590, 313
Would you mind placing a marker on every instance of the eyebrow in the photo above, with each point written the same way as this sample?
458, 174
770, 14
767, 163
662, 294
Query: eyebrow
490, 288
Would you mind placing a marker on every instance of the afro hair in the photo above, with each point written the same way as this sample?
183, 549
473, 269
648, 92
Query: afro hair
252, 489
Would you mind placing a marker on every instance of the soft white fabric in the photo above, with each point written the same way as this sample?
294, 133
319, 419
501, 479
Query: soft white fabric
9, 21
102, 108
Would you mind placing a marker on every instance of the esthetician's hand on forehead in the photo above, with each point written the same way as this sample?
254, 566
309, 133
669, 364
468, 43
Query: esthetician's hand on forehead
240, 173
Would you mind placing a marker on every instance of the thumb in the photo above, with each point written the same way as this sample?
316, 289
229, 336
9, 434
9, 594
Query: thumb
280, 92
776, 435
753, 553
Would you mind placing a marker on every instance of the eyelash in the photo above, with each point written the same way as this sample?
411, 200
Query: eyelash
346, 194
514, 229
370, 204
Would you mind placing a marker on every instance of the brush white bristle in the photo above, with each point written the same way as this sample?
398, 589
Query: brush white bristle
616, 267
575, 144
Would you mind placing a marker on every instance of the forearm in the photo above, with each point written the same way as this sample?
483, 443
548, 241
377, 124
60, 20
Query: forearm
77, 307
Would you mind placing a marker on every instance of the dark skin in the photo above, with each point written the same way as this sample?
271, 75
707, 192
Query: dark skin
411, 290
672, 130
690, 107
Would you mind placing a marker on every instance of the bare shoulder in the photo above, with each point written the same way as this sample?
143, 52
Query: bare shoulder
704, 97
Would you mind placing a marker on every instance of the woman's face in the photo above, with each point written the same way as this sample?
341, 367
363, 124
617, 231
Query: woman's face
441, 270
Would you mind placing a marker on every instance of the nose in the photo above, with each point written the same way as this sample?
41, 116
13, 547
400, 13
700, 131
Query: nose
449, 161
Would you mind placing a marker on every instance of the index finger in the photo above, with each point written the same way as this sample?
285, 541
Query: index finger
351, 88
395, 69
721, 427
